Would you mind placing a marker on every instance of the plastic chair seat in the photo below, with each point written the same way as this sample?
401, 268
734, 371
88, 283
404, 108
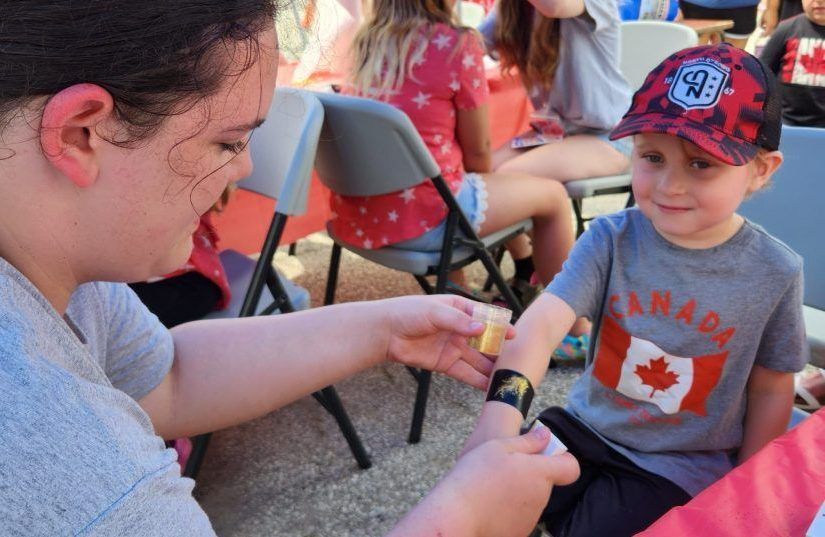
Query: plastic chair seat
239, 269
424, 263
592, 186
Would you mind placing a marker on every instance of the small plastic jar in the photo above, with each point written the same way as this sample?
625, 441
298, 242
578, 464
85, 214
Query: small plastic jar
495, 320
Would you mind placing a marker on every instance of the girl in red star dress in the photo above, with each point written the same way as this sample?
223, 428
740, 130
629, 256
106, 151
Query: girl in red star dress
414, 55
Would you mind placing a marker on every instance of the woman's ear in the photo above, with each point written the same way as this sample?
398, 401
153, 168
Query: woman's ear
67, 131
766, 163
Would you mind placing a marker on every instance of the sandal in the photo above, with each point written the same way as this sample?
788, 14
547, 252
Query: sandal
525, 291
811, 403
572, 348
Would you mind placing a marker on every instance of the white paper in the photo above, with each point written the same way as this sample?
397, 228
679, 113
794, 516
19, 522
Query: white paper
554, 446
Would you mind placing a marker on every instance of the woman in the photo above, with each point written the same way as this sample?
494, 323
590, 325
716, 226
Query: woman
118, 131
567, 54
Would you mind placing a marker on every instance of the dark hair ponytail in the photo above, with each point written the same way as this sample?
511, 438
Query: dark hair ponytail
155, 58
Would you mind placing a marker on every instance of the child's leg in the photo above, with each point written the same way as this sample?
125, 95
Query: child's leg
514, 197
575, 157
614, 496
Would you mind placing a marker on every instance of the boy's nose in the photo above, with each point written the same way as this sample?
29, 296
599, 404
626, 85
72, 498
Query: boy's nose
671, 182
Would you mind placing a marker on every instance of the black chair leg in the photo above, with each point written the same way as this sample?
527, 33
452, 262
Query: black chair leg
577, 208
293, 248
421, 395
332, 403
499, 255
199, 445
332, 276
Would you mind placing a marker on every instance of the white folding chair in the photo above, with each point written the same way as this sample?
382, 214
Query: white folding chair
283, 152
644, 44
369, 148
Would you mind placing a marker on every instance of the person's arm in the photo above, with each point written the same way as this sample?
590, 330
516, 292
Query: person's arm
770, 17
559, 9
773, 50
233, 370
499, 488
473, 135
540, 329
770, 399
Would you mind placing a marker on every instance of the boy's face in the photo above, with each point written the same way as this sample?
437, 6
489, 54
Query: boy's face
815, 10
689, 196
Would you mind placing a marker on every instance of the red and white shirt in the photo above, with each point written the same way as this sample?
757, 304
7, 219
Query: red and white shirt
205, 260
449, 75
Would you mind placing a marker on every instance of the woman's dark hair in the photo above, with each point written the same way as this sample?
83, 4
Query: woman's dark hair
155, 58
529, 42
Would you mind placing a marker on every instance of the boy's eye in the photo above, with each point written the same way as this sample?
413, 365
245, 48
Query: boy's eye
234, 147
652, 158
700, 164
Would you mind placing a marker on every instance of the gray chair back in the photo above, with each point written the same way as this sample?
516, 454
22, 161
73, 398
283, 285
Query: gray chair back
791, 208
368, 148
283, 150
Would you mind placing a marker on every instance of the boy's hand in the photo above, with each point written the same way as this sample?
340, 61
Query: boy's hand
430, 332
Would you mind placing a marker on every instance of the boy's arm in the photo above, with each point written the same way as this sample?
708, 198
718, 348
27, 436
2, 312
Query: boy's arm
539, 330
770, 399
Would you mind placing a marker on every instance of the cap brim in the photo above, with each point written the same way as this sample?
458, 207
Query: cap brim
728, 149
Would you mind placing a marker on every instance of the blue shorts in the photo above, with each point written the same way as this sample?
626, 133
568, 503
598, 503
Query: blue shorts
622, 145
472, 198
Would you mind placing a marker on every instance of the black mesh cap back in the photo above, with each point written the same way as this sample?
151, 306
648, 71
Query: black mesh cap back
771, 131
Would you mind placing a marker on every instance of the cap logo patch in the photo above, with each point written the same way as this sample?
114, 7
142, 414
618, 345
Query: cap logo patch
698, 84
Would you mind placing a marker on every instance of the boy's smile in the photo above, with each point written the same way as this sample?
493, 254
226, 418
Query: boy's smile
690, 197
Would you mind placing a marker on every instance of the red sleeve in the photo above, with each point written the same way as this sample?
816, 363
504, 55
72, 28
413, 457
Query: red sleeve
468, 64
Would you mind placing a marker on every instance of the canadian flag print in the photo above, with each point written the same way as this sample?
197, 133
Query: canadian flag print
807, 62
641, 370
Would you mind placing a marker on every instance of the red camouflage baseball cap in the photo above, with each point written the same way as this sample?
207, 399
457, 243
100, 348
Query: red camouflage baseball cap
718, 97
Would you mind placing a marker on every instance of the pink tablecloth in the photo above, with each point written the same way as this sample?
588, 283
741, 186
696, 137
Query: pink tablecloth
243, 224
776, 492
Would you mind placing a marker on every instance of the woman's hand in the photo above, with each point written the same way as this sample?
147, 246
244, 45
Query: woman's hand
430, 332
498, 488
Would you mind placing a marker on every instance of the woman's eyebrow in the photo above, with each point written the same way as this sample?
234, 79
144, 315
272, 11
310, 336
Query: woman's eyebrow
247, 127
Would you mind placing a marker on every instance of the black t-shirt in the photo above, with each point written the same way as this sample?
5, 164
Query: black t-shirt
796, 55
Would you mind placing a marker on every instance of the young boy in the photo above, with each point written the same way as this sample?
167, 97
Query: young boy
697, 313
796, 55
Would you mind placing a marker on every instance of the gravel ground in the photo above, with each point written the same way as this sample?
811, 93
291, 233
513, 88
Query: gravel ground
292, 474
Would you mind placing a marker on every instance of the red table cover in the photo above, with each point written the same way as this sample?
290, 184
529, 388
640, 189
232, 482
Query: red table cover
777, 492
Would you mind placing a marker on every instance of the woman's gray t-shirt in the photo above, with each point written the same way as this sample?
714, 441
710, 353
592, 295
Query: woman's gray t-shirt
589, 92
78, 455
676, 334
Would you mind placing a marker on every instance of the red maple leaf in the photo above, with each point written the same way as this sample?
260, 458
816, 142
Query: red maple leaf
656, 375
814, 63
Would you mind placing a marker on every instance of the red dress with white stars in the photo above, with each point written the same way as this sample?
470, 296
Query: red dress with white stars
449, 75
205, 260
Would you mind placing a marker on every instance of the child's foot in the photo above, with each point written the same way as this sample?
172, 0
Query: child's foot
525, 291
810, 390
572, 349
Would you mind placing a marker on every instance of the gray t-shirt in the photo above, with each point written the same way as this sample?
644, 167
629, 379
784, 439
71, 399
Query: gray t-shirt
589, 92
676, 333
78, 455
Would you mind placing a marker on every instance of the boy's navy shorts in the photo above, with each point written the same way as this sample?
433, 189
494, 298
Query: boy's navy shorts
613, 497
